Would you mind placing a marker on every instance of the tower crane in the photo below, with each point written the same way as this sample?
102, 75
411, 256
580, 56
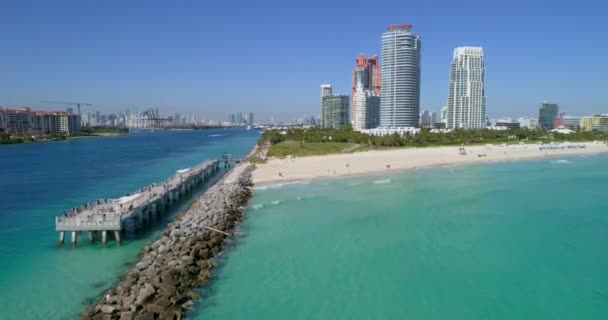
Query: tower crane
77, 104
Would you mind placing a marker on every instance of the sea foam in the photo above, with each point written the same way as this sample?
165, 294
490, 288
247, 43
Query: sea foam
385, 181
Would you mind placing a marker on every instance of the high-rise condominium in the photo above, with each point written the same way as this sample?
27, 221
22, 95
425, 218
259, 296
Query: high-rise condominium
366, 73
467, 92
334, 111
546, 115
400, 98
366, 109
325, 90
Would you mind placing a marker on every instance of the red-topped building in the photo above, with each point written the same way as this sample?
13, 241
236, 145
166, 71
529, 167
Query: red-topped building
367, 73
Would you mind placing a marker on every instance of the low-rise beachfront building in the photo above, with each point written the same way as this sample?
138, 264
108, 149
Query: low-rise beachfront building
596, 122
568, 122
562, 130
384, 131
528, 123
507, 123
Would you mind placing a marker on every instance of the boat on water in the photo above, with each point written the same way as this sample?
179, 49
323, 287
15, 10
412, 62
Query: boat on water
248, 127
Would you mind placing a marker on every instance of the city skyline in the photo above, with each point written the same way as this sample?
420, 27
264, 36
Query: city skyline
116, 65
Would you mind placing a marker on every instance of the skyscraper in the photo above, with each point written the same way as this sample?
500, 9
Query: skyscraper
400, 98
366, 109
467, 92
366, 73
334, 111
546, 115
250, 119
325, 90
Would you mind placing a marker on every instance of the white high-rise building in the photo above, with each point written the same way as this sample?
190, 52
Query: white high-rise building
366, 105
400, 69
467, 92
325, 90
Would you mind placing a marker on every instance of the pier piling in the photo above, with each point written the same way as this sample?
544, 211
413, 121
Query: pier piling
117, 236
74, 238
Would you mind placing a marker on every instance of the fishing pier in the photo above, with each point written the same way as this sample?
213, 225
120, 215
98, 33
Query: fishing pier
131, 213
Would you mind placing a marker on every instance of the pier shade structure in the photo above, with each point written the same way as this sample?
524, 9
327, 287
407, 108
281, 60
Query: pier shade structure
130, 213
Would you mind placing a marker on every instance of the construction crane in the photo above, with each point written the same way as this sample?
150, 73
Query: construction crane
77, 104
153, 119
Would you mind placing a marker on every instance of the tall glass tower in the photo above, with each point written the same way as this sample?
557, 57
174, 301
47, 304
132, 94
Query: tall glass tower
400, 98
467, 92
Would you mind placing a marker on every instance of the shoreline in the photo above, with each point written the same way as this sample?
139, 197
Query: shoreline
372, 163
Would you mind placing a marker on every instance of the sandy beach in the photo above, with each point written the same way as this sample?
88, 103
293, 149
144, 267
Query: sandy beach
374, 162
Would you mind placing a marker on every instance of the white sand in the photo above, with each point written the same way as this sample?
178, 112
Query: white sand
371, 162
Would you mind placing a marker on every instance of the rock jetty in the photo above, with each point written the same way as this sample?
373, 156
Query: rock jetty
161, 285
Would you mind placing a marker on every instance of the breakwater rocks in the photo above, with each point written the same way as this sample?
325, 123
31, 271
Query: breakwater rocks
161, 285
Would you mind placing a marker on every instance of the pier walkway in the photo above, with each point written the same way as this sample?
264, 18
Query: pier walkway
133, 211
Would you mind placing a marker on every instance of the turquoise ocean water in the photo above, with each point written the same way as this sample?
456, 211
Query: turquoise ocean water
38, 280
518, 240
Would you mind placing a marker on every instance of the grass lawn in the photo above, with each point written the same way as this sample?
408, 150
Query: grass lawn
293, 148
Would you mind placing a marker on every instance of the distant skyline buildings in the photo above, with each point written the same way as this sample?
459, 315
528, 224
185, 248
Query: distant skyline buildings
466, 92
400, 69
239, 119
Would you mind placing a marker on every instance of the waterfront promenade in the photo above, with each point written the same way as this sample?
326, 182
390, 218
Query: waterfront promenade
133, 211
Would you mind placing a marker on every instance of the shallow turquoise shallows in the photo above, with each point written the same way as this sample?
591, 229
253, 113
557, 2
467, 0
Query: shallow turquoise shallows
38, 280
519, 240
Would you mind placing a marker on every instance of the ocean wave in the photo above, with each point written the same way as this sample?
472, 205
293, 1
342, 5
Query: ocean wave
281, 185
216, 135
385, 181
299, 198
560, 161
276, 202
257, 206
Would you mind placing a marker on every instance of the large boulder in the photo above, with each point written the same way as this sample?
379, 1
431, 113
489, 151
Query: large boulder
144, 293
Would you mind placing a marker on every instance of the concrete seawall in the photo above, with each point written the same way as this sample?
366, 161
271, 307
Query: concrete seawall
161, 285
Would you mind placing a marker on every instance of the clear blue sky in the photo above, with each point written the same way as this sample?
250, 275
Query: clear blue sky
217, 56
